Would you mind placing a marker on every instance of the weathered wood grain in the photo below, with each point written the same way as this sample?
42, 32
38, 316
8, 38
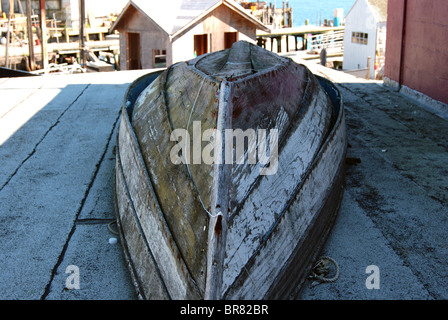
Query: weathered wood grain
145, 272
266, 203
294, 226
175, 273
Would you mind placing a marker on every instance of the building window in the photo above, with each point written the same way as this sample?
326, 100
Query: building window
360, 37
159, 58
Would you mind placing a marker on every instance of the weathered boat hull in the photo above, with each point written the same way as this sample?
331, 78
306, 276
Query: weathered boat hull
249, 236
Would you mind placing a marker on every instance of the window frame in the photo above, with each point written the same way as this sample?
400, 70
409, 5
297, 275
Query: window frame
360, 37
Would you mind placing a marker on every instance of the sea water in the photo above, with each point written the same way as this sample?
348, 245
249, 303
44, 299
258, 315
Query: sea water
314, 10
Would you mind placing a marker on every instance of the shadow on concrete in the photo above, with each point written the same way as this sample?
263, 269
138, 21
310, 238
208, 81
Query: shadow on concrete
56, 190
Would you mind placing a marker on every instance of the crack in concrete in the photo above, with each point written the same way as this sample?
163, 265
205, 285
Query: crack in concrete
20, 102
81, 221
42, 139
89, 221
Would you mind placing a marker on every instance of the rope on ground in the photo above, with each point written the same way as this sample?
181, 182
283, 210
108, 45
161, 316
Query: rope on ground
322, 268
109, 226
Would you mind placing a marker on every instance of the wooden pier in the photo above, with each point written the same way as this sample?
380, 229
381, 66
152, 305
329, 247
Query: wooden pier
298, 32
269, 15
20, 52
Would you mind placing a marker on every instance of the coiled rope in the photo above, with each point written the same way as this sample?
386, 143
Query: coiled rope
321, 270
109, 227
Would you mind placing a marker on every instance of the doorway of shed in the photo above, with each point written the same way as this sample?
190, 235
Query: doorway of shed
229, 39
133, 51
200, 44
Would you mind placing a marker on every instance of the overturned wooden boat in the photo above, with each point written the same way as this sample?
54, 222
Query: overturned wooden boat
205, 216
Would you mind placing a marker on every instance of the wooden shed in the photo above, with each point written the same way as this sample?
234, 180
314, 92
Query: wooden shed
160, 33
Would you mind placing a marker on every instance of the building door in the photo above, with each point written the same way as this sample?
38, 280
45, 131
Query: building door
229, 39
133, 51
200, 44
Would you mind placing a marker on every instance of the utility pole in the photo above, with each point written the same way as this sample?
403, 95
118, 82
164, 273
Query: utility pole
30, 35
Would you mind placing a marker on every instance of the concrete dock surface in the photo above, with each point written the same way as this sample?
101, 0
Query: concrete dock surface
57, 138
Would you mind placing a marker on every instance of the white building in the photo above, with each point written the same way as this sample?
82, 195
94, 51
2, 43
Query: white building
365, 35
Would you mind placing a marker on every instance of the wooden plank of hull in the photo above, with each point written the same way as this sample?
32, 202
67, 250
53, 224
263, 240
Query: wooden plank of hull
145, 273
265, 204
153, 230
297, 238
176, 191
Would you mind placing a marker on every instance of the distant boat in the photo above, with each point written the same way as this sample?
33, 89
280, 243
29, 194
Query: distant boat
202, 219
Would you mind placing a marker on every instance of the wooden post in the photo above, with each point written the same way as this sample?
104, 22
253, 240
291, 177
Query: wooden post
323, 57
8, 32
82, 21
43, 27
369, 61
7, 41
11, 8
284, 14
290, 17
30, 35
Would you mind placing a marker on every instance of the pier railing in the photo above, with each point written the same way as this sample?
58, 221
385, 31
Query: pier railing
332, 42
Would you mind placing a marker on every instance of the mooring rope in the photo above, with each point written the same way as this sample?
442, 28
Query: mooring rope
109, 227
322, 268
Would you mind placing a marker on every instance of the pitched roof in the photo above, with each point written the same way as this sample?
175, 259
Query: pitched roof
379, 9
174, 16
